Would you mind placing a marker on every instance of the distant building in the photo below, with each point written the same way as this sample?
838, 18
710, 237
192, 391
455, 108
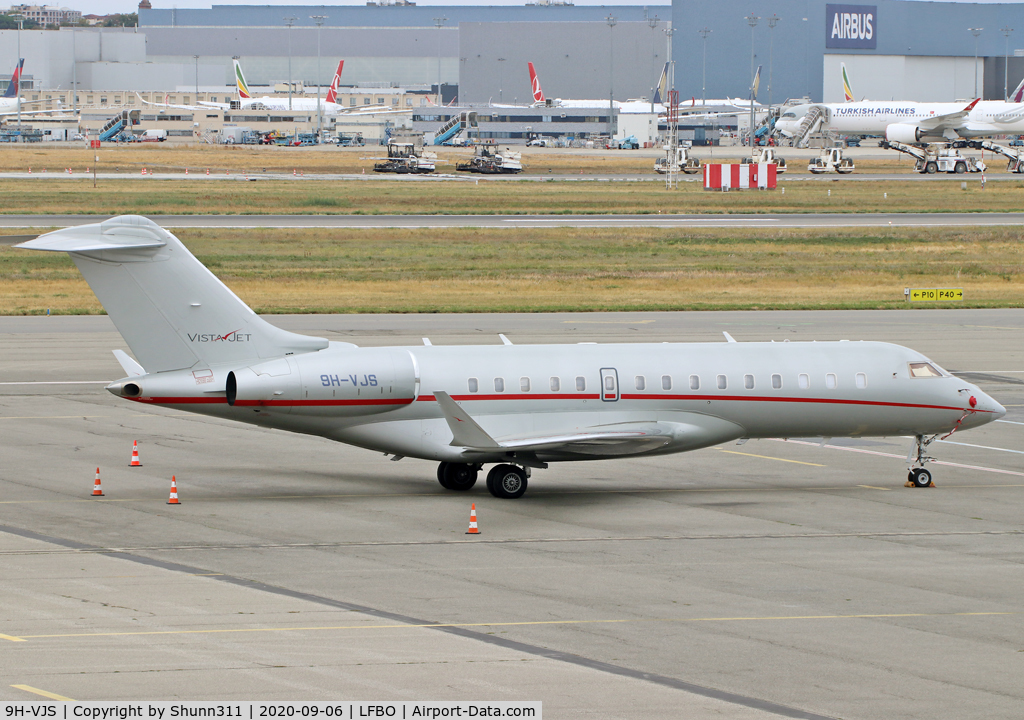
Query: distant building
46, 14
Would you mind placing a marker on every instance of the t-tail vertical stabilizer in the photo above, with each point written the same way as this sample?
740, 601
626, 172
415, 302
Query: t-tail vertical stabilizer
171, 310
12, 86
240, 83
332, 92
538, 94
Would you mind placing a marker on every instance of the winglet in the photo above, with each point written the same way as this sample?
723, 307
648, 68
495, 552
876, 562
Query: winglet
504, 340
728, 337
465, 431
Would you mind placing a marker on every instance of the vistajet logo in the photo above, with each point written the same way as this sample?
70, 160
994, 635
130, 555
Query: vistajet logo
233, 336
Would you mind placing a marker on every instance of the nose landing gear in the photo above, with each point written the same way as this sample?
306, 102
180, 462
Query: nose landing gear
918, 476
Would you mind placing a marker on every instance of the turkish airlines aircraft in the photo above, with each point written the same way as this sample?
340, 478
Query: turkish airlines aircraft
912, 122
200, 349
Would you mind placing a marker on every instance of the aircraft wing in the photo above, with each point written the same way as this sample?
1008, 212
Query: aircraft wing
948, 121
34, 112
168, 105
608, 440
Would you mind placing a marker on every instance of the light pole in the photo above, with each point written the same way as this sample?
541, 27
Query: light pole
704, 32
196, 58
752, 22
612, 22
653, 23
975, 32
21, 21
439, 23
772, 22
319, 20
1006, 30
289, 21
501, 78
74, 71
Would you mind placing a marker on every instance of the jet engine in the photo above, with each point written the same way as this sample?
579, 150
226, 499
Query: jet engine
903, 133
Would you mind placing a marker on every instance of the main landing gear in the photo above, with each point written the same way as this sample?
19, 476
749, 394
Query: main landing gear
503, 481
918, 476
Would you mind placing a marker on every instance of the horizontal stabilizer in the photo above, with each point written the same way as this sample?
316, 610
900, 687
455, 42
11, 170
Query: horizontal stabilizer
128, 232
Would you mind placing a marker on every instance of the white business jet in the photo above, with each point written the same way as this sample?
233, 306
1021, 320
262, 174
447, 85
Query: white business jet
200, 348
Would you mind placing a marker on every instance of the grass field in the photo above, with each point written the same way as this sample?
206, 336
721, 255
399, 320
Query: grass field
563, 269
250, 159
147, 196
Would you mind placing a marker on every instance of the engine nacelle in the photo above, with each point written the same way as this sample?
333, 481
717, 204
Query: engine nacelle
353, 381
903, 133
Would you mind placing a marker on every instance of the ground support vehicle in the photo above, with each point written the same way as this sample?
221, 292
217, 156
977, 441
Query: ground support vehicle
490, 161
629, 143
1015, 158
937, 157
682, 160
406, 158
766, 155
830, 160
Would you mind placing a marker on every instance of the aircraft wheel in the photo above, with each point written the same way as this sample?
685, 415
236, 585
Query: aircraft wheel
931, 168
960, 168
459, 476
506, 482
440, 475
921, 477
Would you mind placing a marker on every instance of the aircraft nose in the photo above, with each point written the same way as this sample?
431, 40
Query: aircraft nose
985, 403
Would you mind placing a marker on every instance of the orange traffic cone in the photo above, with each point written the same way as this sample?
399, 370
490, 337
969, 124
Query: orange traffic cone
97, 487
135, 455
473, 530
173, 499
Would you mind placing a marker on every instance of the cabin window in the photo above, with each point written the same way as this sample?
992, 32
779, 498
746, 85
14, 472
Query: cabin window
666, 382
474, 385
641, 382
748, 382
581, 384
803, 380
556, 384
723, 382
777, 382
524, 384
830, 381
695, 382
923, 370
499, 384
862, 380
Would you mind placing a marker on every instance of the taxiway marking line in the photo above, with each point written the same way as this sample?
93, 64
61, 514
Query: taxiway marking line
873, 487
11, 638
44, 693
1010, 422
506, 541
60, 382
766, 457
982, 447
47, 417
903, 457
521, 623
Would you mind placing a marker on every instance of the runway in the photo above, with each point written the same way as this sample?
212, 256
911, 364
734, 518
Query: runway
767, 220
770, 579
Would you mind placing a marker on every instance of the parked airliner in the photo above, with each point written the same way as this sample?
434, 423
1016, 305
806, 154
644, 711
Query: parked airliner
199, 348
907, 121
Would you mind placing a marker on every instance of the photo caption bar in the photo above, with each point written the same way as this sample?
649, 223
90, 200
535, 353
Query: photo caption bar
166, 710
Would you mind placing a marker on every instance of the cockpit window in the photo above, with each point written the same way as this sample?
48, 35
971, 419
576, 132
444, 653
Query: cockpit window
789, 115
924, 370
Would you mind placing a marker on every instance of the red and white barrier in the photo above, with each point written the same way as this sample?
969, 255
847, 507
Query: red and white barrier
740, 177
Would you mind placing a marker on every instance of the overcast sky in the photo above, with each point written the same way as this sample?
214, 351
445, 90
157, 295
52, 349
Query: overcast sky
103, 7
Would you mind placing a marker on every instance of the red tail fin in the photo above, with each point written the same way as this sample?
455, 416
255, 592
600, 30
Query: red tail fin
538, 94
332, 94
